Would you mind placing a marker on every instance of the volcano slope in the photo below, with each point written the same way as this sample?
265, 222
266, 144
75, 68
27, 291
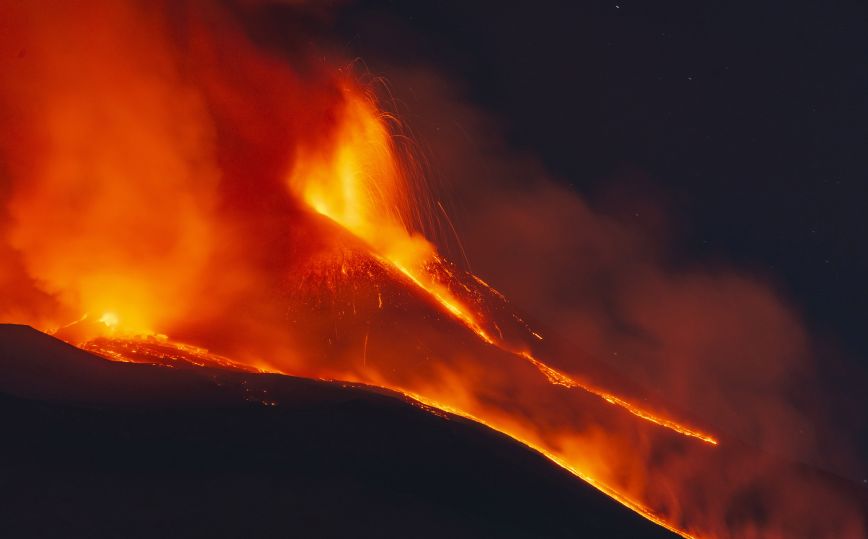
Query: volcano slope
94, 448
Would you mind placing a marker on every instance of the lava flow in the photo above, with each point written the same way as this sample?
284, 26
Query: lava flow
218, 203
358, 184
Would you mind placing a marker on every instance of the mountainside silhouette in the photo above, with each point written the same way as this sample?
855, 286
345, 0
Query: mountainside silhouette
101, 449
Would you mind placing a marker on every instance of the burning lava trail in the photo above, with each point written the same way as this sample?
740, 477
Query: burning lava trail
359, 185
160, 350
260, 206
559, 378
613, 493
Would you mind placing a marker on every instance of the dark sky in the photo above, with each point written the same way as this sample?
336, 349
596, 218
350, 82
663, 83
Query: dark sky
750, 120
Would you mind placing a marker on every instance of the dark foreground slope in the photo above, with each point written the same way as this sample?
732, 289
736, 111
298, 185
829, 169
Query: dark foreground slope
92, 448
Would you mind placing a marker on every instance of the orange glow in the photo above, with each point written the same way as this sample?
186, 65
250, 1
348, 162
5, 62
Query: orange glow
147, 233
560, 460
169, 354
110, 320
220, 204
357, 182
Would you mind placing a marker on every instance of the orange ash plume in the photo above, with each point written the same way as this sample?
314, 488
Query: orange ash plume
215, 204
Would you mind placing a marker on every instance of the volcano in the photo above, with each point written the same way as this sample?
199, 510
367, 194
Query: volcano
254, 321
104, 449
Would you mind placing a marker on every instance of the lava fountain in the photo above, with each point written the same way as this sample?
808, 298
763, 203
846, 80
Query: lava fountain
217, 203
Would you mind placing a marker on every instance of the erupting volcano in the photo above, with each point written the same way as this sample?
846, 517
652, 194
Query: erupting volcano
180, 194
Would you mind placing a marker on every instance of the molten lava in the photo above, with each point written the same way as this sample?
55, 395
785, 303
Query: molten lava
214, 204
358, 182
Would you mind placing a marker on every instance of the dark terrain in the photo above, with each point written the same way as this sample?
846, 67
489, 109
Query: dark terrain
93, 448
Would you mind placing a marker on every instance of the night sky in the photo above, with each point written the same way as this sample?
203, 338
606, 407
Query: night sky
749, 125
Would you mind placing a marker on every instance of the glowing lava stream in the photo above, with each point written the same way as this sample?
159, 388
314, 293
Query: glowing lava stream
554, 376
163, 351
359, 183
602, 487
